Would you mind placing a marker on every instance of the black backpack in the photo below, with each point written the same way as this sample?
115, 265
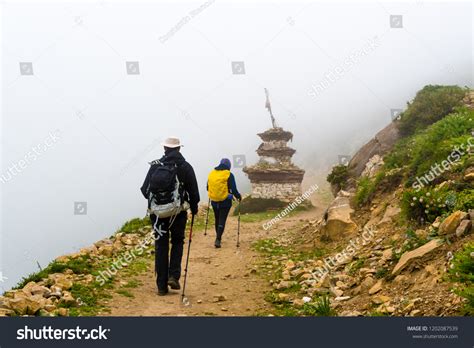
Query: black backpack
163, 182
166, 193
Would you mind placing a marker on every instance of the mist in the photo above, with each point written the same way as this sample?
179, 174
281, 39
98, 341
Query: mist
90, 89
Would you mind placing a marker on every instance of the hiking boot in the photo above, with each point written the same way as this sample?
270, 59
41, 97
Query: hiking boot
217, 243
174, 284
162, 292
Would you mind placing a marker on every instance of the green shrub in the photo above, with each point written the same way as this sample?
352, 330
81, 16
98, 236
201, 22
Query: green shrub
79, 265
430, 104
366, 188
135, 224
400, 155
322, 307
356, 265
338, 177
464, 200
426, 204
438, 142
381, 273
462, 271
418, 153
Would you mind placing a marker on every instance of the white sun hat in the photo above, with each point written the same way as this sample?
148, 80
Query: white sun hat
172, 142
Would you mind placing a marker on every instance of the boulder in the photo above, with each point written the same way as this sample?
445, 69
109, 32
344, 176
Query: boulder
390, 213
367, 283
64, 283
325, 281
27, 305
19, 305
88, 250
88, 278
102, 242
418, 253
387, 254
63, 312
463, 228
68, 299
50, 308
297, 272
284, 284
62, 259
383, 308
469, 174
379, 145
449, 225
339, 222
436, 223
40, 290
372, 166
289, 265
36, 302
106, 250
56, 291
376, 288
28, 287
336, 292
379, 299
3, 302
356, 291
342, 298
22, 293
5, 312
298, 303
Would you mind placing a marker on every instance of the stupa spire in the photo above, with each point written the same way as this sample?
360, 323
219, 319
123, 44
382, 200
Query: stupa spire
269, 108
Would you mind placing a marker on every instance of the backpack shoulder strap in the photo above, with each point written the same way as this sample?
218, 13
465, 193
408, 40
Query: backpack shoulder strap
155, 162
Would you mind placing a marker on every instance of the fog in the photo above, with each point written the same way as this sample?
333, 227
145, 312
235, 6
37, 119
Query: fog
78, 128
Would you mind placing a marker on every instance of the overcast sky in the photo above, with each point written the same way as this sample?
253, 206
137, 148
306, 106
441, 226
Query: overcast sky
79, 124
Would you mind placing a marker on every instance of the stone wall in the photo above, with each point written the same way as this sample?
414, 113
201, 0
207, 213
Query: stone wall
282, 191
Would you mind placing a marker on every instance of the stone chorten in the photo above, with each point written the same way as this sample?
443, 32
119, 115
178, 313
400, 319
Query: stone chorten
275, 176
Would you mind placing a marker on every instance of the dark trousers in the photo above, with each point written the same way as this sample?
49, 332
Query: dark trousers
169, 264
220, 217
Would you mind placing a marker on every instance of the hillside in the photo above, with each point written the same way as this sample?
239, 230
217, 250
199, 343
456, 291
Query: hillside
397, 239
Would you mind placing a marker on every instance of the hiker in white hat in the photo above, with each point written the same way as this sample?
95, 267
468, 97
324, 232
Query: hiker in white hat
171, 188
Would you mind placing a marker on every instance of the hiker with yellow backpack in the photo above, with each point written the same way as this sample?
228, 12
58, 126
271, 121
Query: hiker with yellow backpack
221, 188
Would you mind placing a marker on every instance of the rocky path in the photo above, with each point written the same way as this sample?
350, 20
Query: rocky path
220, 281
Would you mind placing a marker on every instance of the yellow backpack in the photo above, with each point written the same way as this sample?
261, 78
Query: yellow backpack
217, 185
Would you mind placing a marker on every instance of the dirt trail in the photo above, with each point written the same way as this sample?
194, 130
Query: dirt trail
225, 271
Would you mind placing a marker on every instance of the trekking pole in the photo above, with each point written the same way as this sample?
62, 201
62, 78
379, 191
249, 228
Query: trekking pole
207, 216
238, 227
187, 259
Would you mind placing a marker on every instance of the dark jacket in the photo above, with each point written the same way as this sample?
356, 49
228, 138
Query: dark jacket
185, 175
232, 187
